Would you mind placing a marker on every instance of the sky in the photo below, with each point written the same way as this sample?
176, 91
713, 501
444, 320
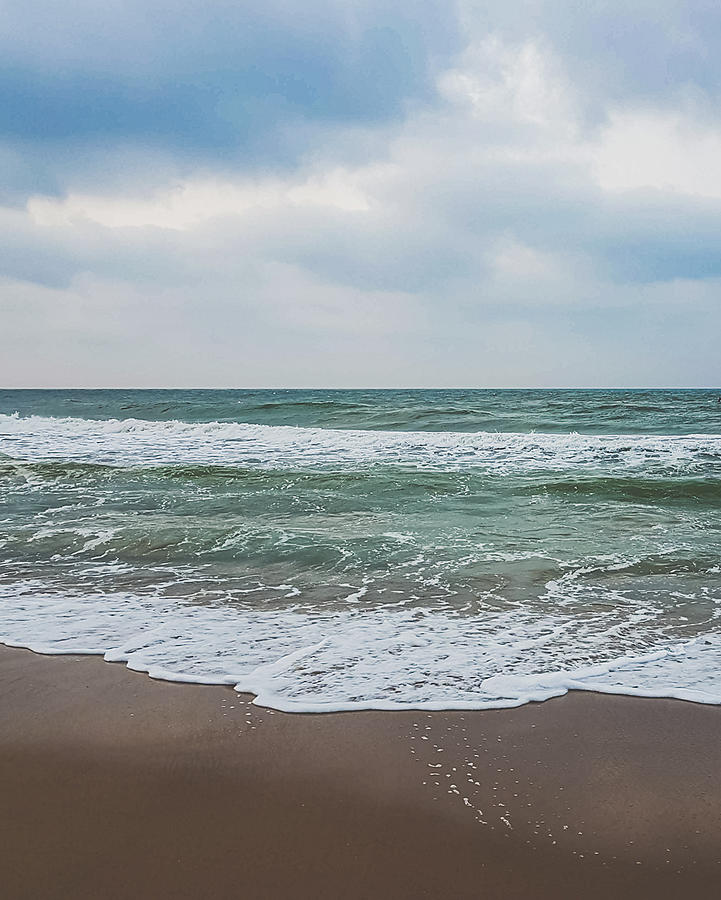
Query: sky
360, 194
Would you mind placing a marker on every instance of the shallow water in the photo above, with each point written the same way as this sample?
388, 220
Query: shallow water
349, 549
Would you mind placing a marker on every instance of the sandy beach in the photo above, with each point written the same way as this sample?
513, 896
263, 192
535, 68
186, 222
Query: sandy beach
118, 786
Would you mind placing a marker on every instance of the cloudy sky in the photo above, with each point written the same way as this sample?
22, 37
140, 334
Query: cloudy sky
360, 193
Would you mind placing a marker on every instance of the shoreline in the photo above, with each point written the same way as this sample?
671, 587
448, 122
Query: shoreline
120, 786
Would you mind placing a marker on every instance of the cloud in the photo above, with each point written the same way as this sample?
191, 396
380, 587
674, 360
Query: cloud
659, 151
476, 208
651, 52
247, 86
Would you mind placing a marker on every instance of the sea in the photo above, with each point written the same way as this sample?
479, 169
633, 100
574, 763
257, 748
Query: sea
370, 549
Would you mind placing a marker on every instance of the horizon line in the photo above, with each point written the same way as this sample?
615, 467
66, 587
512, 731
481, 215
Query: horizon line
366, 388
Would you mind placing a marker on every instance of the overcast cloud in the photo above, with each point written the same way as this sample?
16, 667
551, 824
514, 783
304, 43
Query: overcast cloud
360, 194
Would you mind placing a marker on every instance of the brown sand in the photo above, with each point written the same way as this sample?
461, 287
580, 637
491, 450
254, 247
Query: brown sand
116, 786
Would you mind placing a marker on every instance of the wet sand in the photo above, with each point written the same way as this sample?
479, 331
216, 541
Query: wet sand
117, 786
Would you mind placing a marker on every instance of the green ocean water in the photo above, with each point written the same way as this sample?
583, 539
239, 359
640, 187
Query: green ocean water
340, 549
556, 411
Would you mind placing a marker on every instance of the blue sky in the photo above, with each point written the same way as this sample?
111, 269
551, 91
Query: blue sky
360, 194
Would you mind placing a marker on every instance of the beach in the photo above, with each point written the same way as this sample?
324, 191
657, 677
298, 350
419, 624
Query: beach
117, 785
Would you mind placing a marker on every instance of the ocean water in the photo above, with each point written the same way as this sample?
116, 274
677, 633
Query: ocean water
370, 549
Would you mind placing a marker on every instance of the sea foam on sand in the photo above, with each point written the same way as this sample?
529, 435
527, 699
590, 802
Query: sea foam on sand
357, 659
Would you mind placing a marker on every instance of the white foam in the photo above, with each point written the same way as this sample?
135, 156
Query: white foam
137, 442
351, 659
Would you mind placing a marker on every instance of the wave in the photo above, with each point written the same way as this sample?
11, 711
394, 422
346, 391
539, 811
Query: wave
374, 659
285, 402
378, 484
595, 412
260, 476
137, 442
639, 488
